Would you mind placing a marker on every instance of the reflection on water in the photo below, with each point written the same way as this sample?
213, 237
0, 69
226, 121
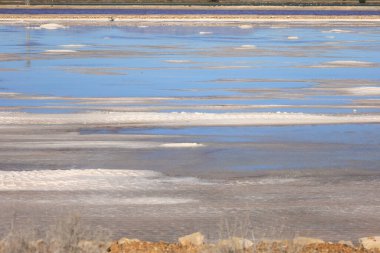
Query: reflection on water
178, 61
142, 68
131, 70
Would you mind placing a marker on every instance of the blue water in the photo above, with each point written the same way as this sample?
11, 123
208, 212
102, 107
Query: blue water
206, 72
137, 59
338, 134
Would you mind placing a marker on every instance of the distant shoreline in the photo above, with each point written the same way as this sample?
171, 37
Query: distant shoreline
195, 7
208, 17
217, 20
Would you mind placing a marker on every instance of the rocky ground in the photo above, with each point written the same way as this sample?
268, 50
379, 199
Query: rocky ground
193, 243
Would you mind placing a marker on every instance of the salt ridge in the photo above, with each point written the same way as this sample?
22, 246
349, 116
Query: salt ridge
184, 118
91, 179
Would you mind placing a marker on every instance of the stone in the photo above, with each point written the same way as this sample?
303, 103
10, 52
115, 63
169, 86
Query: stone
235, 243
195, 239
348, 243
126, 240
2, 246
303, 241
39, 245
88, 246
370, 243
272, 241
54, 246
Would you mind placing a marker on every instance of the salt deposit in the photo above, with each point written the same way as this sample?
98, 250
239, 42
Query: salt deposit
181, 145
337, 31
365, 91
52, 26
33, 28
346, 64
245, 26
246, 47
178, 61
90, 179
59, 51
184, 118
73, 45
205, 33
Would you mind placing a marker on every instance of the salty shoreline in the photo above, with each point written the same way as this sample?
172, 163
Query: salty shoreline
152, 119
209, 18
185, 19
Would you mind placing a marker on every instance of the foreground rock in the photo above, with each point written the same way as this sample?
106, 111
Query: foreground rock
303, 241
92, 246
235, 243
126, 240
370, 243
195, 239
348, 243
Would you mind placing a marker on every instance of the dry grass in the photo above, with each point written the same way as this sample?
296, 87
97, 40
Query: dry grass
69, 235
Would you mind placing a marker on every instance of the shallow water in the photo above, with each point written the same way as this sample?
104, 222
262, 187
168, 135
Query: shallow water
200, 174
230, 66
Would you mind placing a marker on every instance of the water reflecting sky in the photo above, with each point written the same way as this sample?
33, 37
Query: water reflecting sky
232, 68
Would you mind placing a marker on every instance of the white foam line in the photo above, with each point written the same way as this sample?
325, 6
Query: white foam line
184, 118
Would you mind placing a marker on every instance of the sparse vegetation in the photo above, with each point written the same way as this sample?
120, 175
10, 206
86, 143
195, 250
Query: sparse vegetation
69, 235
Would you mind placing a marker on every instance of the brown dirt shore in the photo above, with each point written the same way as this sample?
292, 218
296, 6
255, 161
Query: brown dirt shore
261, 247
232, 245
